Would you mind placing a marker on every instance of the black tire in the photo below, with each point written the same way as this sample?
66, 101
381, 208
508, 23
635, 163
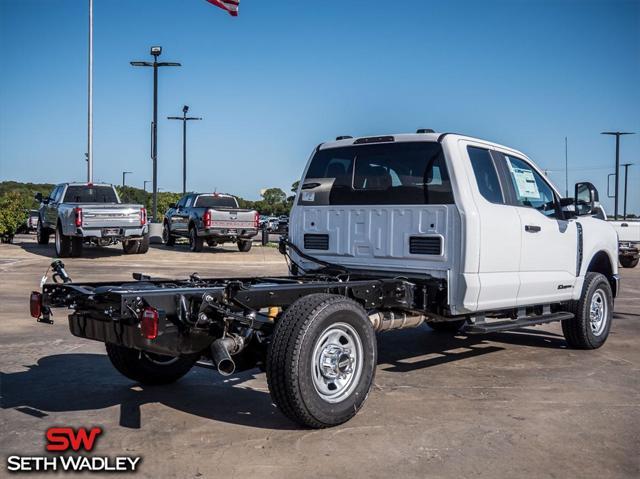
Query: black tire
167, 237
580, 331
628, 261
76, 246
42, 234
196, 243
451, 327
244, 245
143, 244
63, 243
130, 246
147, 368
291, 374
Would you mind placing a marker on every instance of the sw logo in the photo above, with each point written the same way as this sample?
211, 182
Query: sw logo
76, 442
65, 438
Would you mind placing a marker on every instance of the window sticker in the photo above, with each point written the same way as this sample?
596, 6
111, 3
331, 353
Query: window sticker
308, 196
525, 182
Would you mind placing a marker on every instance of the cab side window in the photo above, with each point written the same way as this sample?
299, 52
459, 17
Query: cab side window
530, 188
189, 201
486, 175
180, 204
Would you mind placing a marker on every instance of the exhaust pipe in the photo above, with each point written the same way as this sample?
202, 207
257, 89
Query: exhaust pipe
388, 320
220, 353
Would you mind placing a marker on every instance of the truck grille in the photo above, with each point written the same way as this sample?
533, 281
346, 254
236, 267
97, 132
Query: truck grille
312, 241
425, 245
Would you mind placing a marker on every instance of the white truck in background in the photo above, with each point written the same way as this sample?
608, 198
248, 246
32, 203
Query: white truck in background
386, 232
83, 213
628, 238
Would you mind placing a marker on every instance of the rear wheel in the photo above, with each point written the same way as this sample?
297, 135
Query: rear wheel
63, 243
195, 242
628, 261
167, 238
149, 368
589, 327
130, 246
76, 246
42, 234
244, 245
451, 327
143, 244
321, 361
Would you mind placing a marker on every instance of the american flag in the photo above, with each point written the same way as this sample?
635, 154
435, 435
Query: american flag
230, 6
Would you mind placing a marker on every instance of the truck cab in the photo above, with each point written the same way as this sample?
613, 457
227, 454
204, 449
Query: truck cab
480, 217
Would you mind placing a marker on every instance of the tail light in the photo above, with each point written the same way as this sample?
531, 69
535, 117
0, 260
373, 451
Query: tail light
256, 220
206, 219
149, 323
143, 216
78, 216
35, 304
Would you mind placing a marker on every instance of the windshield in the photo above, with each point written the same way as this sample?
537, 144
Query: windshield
216, 201
90, 194
390, 173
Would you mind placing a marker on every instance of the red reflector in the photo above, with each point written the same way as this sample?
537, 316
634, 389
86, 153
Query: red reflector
143, 216
35, 304
206, 219
78, 216
149, 323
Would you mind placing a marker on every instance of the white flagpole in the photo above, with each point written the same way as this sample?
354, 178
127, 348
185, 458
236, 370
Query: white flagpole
90, 100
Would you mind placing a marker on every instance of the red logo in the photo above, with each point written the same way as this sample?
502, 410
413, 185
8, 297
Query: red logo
65, 438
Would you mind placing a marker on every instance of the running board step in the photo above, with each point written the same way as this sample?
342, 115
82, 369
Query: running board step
497, 326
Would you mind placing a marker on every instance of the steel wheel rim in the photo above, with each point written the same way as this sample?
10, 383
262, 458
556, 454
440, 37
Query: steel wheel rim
598, 311
337, 362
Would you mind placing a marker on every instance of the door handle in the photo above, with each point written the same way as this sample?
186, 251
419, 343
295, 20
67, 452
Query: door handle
532, 228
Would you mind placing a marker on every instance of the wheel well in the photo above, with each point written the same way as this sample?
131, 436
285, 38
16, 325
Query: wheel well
600, 263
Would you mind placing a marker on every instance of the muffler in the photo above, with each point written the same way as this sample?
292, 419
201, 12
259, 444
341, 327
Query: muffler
388, 320
221, 350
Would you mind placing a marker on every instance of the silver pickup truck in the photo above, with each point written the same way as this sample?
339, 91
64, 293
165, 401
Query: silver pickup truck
212, 217
79, 213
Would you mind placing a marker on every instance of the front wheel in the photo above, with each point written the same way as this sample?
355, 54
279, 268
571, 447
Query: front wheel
148, 368
628, 261
42, 234
321, 361
63, 244
167, 237
589, 327
196, 243
244, 245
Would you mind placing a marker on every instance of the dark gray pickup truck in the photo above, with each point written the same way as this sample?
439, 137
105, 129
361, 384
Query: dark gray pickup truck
213, 218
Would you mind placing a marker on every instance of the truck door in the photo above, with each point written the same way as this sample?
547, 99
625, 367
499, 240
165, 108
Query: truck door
549, 242
499, 232
180, 217
51, 209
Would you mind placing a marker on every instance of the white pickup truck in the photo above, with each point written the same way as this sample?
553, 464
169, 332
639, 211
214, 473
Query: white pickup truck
79, 213
386, 232
628, 238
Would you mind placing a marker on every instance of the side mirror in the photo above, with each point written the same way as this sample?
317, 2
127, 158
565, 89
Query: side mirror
38, 197
586, 198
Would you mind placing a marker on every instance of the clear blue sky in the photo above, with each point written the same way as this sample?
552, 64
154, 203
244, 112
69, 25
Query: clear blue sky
287, 75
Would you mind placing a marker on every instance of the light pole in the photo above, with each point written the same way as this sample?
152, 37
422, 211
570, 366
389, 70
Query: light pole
626, 176
617, 134
184, 118
90, 100
144, 187
124, 173
155, 51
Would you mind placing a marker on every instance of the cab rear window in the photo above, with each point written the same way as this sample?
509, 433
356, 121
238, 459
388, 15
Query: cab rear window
90, 194
383, 174
214, 201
